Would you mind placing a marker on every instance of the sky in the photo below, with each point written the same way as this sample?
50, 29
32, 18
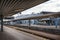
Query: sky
51, 6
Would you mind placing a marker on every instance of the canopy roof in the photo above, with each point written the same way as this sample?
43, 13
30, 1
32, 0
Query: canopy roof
10, 7
40, 16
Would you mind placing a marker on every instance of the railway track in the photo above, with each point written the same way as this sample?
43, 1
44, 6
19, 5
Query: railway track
47, 29
37, 33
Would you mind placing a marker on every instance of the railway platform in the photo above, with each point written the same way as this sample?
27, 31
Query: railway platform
13, 34
42, 34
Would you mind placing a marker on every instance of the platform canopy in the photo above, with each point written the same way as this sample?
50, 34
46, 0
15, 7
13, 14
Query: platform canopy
10, 7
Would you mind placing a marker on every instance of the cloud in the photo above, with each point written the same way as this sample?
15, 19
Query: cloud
51, 5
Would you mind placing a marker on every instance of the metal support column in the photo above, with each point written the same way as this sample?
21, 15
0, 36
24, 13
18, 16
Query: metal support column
1, 16
29, 23
56, 23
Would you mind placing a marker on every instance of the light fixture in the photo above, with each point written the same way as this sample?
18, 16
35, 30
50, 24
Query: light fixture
19, 9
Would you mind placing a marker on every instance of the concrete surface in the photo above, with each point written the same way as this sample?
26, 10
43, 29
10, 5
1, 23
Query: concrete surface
12, 34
